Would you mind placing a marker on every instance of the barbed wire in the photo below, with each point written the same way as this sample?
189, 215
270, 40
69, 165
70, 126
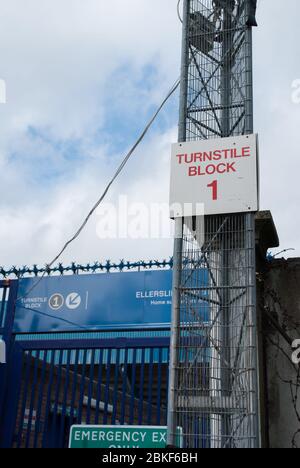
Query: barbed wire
77, 268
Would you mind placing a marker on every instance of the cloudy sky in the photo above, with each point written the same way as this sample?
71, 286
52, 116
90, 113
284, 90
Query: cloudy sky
83, 77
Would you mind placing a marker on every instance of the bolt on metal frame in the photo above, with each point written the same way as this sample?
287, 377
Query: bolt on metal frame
213, 387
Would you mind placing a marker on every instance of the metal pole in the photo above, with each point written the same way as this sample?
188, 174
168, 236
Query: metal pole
250, 225
249, 125
253, 364
226, 99
177, 257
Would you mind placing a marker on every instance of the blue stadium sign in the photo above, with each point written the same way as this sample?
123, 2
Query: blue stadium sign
95, 302
112, 301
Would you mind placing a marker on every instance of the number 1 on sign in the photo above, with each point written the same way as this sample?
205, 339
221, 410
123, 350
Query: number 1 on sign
214, 187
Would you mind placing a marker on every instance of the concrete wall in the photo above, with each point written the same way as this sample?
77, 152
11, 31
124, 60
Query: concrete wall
280, 296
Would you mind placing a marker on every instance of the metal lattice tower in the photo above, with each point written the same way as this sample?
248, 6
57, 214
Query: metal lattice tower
213, 392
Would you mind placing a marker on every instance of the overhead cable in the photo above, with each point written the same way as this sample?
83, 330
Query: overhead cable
115, 176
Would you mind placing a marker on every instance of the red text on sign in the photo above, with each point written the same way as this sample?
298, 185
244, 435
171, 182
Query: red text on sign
218, 155
211, 169
214, 187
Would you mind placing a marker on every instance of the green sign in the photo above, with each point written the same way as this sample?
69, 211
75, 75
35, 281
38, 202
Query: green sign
120, 437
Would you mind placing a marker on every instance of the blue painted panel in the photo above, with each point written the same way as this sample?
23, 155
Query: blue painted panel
135, 300
95, 302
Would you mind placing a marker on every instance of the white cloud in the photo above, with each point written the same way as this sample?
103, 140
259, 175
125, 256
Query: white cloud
44, 225
64, 63
70, 67
277, 116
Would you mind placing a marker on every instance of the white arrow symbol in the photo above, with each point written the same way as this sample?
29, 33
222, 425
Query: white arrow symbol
73, 301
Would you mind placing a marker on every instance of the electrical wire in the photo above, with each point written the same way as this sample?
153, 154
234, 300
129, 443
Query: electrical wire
178, 11
99, 201
283, 251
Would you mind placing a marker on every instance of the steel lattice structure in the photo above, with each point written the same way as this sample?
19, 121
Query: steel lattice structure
213, 392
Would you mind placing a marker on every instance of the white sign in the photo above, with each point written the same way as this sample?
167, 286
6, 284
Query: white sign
73, 301
214, 177
56, 301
